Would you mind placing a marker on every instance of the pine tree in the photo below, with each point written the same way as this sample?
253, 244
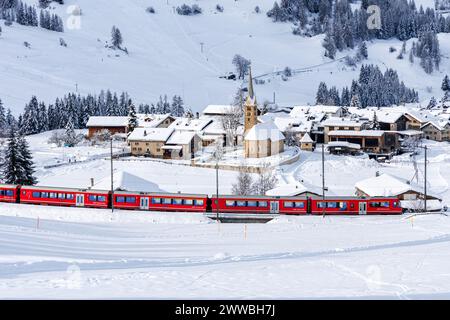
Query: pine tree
322, 95
329, 45
177, 108
116, 37
11, 170
355, 102
445, 84
25, 163
132, 118
3, 124
70, 137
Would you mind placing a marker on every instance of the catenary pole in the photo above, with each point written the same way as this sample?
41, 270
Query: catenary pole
112, 177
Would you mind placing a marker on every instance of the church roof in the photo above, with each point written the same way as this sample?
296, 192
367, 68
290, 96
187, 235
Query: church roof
264, 131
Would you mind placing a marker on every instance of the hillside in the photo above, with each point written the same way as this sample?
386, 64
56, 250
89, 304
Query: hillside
165, 55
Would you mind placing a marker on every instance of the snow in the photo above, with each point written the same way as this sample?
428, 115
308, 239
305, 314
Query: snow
306, 139
341, 122
264, 131
357, 133
181, 137
125, 181
167, 57
88, 254
150, 134
291, 190
214, 109
344, 144
96, 121
385, 185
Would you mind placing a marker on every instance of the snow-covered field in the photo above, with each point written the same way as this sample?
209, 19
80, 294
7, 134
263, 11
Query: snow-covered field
166, 57
81, 253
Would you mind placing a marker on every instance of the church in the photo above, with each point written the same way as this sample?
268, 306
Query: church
260, 139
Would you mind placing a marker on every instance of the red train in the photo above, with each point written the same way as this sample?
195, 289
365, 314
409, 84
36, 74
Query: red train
198, 202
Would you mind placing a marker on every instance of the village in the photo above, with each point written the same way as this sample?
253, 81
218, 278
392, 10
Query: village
251, 139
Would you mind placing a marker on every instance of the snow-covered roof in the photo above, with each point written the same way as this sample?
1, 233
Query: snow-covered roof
432, 204
306, 139
125, 181
150, 134
302, 110
97, 121
152, 120
264, 131
341, 122
187, 124
181, 137
291, 190
386, 185
215, 109
344, 144
356, 133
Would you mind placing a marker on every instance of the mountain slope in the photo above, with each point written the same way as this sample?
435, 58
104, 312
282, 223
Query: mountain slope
165, 55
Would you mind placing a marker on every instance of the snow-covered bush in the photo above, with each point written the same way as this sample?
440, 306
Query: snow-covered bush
150, 10
186, 10
57, 138
219, 8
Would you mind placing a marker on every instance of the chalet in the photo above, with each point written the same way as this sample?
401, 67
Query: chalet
339, 124
371, 141
114, 125
155, 120
437, 131
410, 194
392, 121
263, 140
182, 145
149, 141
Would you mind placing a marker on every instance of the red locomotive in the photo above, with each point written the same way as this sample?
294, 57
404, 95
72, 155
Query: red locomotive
197, 202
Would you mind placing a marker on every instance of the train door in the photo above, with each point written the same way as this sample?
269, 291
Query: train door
308, 206
274, 207
79, 200
363, 208
145, 201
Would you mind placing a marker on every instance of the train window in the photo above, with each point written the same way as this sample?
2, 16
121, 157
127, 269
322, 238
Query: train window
178, 201
395, 204
61, 195
44, 195
53, 195
9, 193
321, 204
332, 205
288, 204
198, 202
2, 193
188, 202
167, 201
92, 197
299, 205
241, 203
262, 203
130, 199
69, 196
120, 199
101, 198
379, 204
36, 194
156, 200
229, 203
252, 203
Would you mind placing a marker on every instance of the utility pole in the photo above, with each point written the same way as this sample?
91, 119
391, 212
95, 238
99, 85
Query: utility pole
201, 46
425, 181
323, 178
112, 178
217, 189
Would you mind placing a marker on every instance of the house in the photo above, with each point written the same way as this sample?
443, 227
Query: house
371, 141
392, 121
263, 140
114, 125
306, 143
149, 141
410, 194
155, 120
437, 131
182, 145
335, 124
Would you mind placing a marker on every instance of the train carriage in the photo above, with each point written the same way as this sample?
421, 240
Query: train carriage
355, 206
160, 201
244, 204
9, 193
64, 197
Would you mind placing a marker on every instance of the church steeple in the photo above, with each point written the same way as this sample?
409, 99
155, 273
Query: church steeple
250, 107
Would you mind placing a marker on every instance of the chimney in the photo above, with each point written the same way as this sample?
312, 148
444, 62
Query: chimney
145, 133
197, 115
92, 182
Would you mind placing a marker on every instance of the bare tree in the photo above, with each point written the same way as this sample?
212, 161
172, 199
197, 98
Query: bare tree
266, 180
231, 122
242, 65
244, 182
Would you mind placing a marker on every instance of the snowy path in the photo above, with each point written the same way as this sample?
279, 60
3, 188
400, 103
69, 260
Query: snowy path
82, 253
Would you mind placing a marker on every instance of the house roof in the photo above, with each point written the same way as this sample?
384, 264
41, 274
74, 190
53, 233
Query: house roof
356, 133
344, 144
97, 121
292, 190
187, 124
302, 110
152, 120
216, 109
181, 137
386, 185
306, 139
341, 122
150, 134
264, 131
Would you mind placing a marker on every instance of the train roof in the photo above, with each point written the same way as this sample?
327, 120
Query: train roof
159, 194
64, 189
8, 185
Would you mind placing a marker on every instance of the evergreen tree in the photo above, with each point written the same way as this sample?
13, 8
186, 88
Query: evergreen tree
3, 124
329, 45
116, 37
132, 118
11, 170
25, 163
70, 137
322, 96
177, 108
445, 84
